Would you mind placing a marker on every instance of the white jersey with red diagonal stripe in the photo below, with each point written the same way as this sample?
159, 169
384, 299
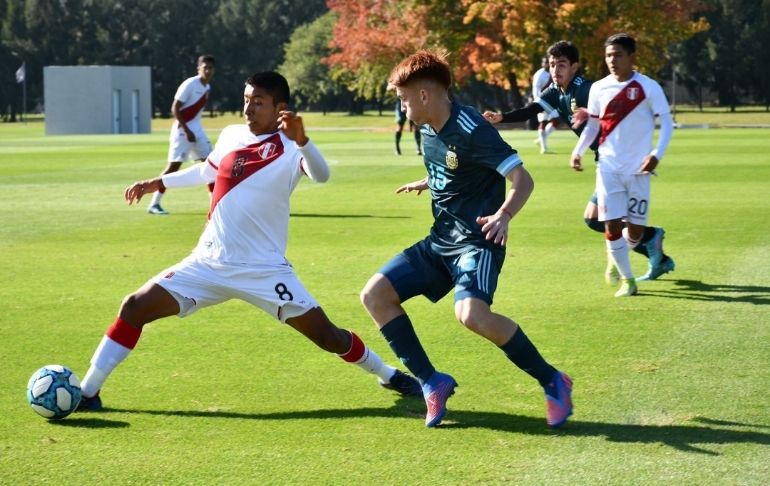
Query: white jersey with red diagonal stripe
193, 94
249, 216
626, 112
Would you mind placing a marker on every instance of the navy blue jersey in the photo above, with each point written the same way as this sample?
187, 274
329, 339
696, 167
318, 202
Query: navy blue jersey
567, 102
467, 162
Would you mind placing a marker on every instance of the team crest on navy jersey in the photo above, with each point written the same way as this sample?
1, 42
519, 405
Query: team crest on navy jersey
238, 166
573, 105
451, 160
632, 93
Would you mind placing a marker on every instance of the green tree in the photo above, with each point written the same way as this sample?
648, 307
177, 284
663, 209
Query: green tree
249, 35
309, 78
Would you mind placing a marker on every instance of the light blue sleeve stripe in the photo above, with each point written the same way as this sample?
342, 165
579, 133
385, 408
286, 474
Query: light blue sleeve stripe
546, 107
509, 164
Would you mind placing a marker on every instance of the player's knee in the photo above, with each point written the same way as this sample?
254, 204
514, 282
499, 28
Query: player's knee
377, 293
132, 310
594, 224
470, 317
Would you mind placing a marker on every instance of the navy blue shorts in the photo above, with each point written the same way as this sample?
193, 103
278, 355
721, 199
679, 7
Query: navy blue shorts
419, 270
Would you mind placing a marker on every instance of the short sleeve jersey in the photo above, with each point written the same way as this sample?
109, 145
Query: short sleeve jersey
249, 216
467, 162
193, 94
626, 112
567, 102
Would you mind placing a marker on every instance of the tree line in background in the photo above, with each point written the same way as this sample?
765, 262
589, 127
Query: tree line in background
337, 53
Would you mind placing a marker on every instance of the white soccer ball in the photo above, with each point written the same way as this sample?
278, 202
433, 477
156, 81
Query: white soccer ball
53, 391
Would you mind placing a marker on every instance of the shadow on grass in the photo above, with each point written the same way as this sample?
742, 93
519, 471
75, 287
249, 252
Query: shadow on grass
697, 290
680, 437
80, 421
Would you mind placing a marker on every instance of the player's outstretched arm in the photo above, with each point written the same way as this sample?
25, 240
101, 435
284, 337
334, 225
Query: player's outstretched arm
200, 173
417, 186
135, 191
493, 117
495, 226
586, 139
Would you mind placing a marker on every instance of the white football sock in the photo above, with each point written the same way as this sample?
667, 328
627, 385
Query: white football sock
372, 363
107, 356
631, 243
156, 196
618, 250
548, 129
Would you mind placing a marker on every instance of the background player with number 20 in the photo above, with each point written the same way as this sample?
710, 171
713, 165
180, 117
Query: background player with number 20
622, 108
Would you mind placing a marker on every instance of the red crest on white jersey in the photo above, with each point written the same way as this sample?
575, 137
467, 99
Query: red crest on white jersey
632, 93
267, 149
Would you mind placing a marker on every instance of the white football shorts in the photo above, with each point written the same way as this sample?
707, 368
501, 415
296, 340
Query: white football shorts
181, 149
543, 116
623, 196
198, 283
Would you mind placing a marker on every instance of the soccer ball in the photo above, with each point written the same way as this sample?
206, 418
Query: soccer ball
53, 391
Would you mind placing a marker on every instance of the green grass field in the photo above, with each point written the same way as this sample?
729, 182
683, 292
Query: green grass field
668, 384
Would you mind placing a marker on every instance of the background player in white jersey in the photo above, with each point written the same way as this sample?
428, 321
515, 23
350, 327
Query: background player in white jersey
622, 108
546, 121
241, 251
187, 139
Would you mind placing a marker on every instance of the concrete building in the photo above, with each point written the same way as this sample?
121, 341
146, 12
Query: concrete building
97, 99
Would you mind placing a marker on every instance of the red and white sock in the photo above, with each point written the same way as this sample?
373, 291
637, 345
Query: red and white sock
367, 359
119, 339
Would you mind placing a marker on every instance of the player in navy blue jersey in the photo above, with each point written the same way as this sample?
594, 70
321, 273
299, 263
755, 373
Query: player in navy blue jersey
568, 94
468, 165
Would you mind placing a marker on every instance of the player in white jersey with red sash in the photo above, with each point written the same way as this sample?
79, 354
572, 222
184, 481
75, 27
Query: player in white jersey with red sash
622, 108
240, 254
187, 139
546, 122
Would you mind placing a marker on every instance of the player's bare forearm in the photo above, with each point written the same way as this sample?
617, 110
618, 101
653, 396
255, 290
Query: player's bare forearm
522, 186
495, 226
135, 191
418, 186
176, 110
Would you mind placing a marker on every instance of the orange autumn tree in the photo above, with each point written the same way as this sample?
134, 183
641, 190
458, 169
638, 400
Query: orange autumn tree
514, 34
370, 37
656, 25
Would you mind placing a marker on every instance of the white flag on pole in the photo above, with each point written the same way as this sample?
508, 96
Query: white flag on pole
21, 73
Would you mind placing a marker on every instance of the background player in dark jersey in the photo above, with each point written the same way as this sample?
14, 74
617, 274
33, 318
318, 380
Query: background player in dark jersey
468, 164
568, 95
400, 122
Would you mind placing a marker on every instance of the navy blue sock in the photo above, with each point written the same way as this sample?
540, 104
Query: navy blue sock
523, 353
649, 233
595, 224
403, 341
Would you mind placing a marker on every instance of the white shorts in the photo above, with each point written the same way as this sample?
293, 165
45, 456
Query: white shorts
181, 149
623, 196
543, 116
198, 283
